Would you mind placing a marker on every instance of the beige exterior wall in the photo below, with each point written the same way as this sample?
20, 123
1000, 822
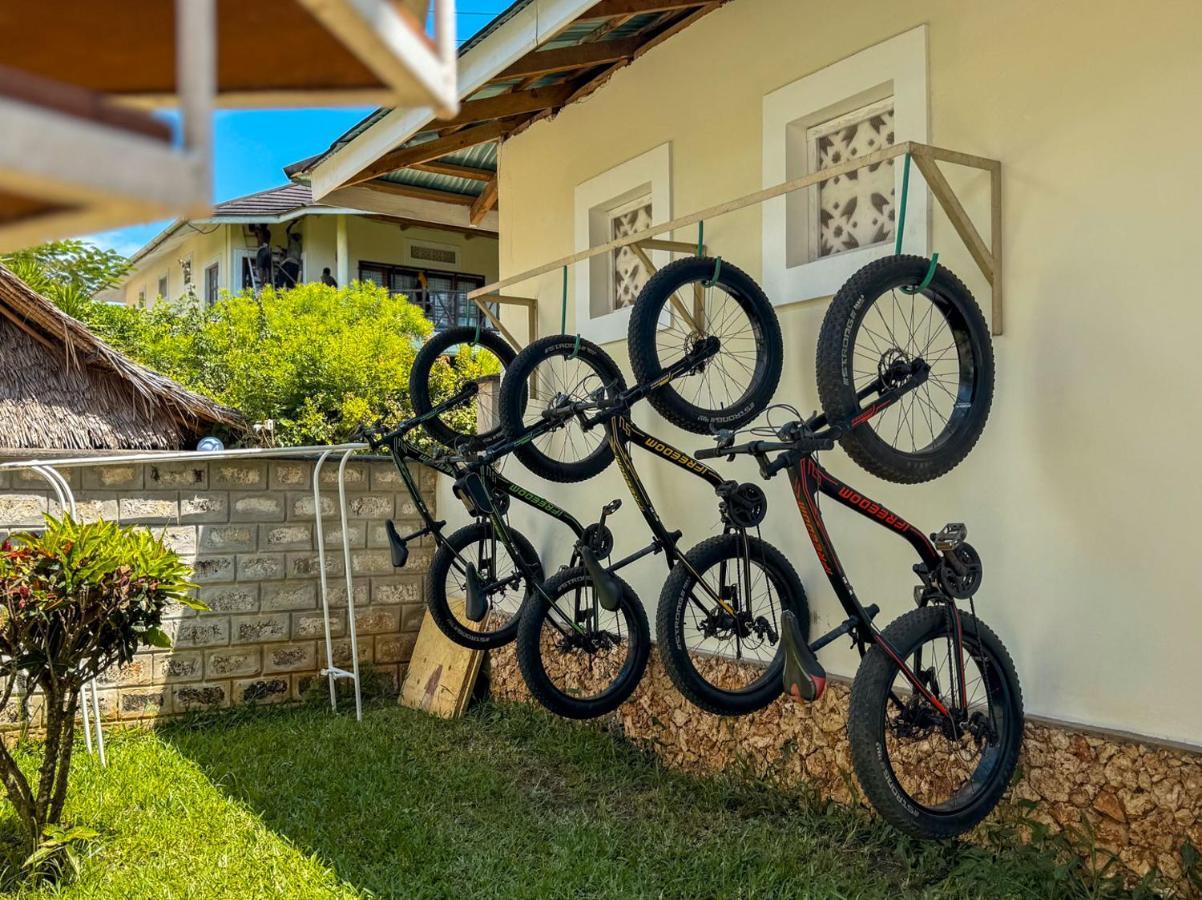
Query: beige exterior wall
1082, 493
369, 240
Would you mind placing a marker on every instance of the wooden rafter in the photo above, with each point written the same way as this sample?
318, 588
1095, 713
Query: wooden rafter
439, 167
565, 59
407, 156
515, 103
608, 9
422, 193
483, 203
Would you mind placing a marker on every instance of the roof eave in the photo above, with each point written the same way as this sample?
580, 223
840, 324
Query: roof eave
524, 31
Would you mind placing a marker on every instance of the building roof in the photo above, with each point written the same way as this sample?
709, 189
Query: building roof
271, 202
62, 388
532, 60
277, 204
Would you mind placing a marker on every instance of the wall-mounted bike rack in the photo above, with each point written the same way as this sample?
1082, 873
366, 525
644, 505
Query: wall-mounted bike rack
988, 257
47, 469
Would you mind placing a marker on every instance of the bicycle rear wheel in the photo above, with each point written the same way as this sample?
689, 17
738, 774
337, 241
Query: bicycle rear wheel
726, 656
443, 364
928, 774
557, 370
685, 303
506, 582
879, 326
578, 659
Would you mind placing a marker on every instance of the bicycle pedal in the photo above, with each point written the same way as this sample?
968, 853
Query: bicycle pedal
804, 677
952, 536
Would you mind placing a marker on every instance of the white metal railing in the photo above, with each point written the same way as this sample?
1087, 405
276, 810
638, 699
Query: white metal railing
48, 470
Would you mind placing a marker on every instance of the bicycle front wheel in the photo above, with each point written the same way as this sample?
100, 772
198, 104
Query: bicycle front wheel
444, 363
718, 623
879, 326
578, 659
930, 774
687, 302
554, 371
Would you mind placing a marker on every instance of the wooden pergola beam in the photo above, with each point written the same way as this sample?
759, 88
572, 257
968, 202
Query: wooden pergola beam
407, 156
565, 59
438, 167
483, 203
515, 103
608, 9
422, 193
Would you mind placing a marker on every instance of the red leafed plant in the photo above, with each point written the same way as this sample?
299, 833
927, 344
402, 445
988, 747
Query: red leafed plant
74, 600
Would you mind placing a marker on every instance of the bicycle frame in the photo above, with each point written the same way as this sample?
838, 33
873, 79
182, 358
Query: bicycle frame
808, 479
622, 433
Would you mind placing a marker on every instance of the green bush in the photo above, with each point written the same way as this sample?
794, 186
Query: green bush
316, 360
74, 601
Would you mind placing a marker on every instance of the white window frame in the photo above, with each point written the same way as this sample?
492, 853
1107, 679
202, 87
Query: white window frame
595, 199
164, 279
894, 68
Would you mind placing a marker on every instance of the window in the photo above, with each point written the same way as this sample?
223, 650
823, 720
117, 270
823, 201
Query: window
442, 295
142, 297
815, 238
212, 279
627, 272
854, 210
624, 200
163, 287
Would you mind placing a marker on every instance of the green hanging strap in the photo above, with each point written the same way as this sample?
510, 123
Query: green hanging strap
701, 237
926, 279
575, 348
563, 307
717, 271
476, 338
901, 232
901, 210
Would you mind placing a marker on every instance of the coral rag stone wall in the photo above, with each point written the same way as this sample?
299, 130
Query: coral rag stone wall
248, 529
1141, 801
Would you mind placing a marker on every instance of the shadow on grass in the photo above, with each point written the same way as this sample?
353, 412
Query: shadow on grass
510, 802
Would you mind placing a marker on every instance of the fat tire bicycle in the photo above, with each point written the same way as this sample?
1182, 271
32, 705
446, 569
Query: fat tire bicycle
614, 643
935, 721
730, 589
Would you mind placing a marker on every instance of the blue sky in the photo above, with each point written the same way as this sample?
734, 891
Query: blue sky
253, 146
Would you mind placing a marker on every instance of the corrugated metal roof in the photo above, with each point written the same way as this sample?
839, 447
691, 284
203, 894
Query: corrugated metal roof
598, 30
481, 156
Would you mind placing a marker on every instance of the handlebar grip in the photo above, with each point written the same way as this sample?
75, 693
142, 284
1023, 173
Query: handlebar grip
711, 453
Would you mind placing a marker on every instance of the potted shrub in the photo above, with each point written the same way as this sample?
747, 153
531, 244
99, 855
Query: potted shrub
74, 600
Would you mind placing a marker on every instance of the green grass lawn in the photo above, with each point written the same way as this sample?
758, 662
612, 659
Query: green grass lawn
506, 802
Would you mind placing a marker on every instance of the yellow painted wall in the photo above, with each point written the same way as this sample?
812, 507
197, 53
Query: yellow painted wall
1084, 491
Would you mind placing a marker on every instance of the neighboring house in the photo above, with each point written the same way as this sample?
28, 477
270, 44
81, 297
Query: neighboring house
434, 260
62, 388
1082, 494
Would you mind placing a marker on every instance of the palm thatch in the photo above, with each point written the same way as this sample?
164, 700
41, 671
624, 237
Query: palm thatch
61, 387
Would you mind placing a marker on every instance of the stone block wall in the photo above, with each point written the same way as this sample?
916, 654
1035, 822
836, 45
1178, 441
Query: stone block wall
247, 527
1140, 801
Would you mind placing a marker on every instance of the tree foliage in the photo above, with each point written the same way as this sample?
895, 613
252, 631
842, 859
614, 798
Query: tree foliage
69, 273
75, 600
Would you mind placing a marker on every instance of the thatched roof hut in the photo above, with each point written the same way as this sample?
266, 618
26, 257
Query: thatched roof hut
61, 387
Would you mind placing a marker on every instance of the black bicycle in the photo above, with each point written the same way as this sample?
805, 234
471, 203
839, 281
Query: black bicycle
600, 654
936, 717
725, 596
